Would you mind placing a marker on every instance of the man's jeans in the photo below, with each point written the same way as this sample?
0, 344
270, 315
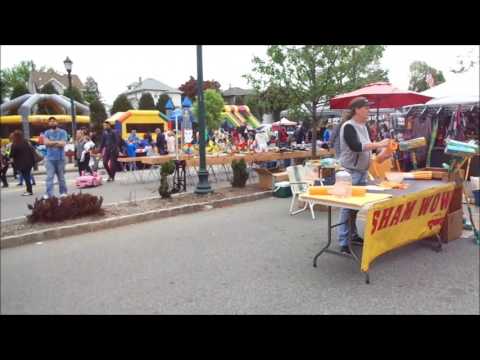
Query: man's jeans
55, 167
358, 178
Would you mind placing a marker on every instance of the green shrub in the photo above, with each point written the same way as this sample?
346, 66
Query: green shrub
60, 209
240, 173
167, 169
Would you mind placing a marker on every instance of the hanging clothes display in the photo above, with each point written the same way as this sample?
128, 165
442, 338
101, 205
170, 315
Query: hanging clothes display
442, 130
437, 124
422, 127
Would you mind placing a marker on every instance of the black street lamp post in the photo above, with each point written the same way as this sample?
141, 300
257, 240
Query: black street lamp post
68, 66
203, 186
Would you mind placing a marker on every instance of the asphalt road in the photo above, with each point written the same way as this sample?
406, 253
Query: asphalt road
252, 258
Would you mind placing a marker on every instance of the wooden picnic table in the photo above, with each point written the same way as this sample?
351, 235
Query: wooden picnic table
132, 159
227, 159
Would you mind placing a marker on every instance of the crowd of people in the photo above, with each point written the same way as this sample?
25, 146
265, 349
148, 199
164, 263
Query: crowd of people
108, 146
89, 147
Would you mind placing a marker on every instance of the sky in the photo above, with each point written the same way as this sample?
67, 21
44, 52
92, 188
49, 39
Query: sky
116, 66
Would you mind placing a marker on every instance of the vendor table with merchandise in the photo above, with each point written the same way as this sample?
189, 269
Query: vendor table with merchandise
374, 195
225, 160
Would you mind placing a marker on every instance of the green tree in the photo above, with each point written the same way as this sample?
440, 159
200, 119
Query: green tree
16, 75
146, 102
18, 90
91, 92
299, 114
121, 103
418, 76
75, 93
48, 88
213, 108
98, 115
256, 105
276, 99
161, 102
312, 74
273, 100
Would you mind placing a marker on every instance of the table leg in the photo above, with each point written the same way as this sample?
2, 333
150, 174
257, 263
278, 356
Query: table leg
352, 255
213, 172
329, 212
439, 243
367, 278
350, 233
226, 172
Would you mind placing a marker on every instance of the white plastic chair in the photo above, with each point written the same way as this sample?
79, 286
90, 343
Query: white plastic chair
299, 185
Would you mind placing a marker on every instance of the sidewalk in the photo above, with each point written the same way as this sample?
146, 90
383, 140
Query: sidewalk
69, 167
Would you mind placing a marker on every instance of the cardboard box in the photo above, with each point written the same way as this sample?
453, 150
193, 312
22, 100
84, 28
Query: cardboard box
437, 173
268, 177
457, 199
442, 174
452, 226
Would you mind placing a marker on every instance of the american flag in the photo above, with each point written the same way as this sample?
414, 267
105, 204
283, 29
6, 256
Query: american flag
429, 79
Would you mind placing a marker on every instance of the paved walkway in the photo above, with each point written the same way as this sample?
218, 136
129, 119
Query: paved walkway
251, 258
124, 188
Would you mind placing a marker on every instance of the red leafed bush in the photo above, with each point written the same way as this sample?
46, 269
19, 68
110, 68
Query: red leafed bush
60, 209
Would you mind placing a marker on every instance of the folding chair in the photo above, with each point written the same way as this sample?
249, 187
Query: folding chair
299, 185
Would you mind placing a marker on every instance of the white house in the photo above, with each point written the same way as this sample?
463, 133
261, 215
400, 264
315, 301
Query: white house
155, 88
38, 79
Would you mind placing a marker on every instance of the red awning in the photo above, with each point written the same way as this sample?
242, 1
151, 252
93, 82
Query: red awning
382, 95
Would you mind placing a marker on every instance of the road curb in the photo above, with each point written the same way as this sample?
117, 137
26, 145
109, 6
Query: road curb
76, 229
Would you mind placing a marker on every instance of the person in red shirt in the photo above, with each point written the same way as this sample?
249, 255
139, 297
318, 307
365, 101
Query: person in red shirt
283, 136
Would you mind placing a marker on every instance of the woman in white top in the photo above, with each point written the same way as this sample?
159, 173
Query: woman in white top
170, 142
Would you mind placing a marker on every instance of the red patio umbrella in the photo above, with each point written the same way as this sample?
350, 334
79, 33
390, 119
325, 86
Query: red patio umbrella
382, 95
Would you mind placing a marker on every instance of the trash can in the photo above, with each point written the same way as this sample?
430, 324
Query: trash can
282, 189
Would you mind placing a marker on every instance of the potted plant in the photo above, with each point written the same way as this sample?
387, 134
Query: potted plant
240, 173
167, 169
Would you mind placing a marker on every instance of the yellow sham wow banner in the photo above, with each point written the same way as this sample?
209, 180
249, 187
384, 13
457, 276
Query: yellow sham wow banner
403, 220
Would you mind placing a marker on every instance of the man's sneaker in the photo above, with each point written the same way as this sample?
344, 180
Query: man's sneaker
63, 195
45, 197
345, 250
19, 184
357, 239
27, 194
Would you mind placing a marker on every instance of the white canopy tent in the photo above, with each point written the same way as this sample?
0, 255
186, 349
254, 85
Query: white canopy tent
284, 122
462, 87
454, 100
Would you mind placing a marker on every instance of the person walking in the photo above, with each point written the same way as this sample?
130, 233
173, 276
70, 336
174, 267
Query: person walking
282, 137
110, 148
355, 153
4, 162
327, 133
23, 158
161, 142
171, 142
79, 148
84, 161
384, 132
55, 140
133, 138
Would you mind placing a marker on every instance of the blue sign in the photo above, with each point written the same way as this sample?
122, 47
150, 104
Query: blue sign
169, 105
187, 103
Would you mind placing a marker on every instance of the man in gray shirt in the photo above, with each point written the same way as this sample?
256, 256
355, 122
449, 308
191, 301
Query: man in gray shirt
355, 153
